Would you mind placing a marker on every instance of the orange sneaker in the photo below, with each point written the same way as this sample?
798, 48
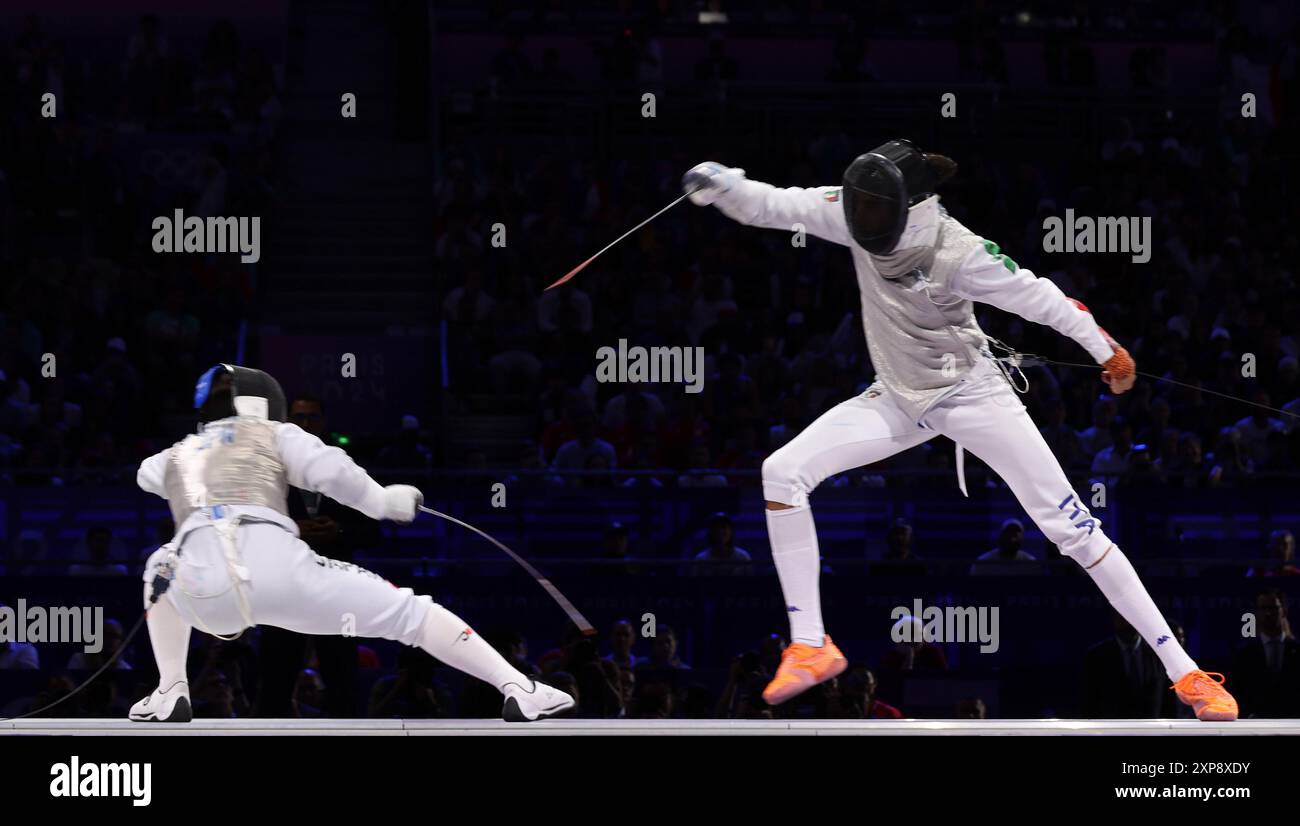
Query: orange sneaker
1206, 695
803, 667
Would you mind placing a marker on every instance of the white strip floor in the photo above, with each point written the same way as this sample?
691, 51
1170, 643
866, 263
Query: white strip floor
659, 728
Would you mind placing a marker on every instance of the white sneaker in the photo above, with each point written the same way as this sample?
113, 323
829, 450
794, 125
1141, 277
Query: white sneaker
533, 703
170, 706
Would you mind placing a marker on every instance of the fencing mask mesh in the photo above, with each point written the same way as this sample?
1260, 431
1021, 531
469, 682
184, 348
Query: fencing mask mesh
881, 185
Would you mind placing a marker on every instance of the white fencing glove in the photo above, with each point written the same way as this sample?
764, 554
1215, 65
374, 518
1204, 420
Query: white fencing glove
400, 503
708, 181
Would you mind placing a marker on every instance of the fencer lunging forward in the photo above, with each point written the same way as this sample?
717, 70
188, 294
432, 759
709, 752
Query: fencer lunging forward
919, 273
236, 560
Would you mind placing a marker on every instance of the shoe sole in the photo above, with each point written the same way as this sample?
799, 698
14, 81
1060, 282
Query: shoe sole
1217, 716
181, 713
512, 713
786, 693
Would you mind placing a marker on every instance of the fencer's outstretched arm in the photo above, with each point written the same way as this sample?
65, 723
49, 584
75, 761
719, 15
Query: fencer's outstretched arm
999, 281
312, 465
994, 279
817, 209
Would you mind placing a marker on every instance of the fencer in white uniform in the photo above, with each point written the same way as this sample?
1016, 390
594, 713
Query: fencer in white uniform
236, 560
919, 273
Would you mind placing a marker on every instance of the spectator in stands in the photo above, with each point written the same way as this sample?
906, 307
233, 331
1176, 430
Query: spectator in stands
309, 695
1266, 669
408, 451
1292, 409
1231, 465
899, 558
1098, 436
627, 691
577, 453
740, 697
55, 688
172, 332
614, 549
699, 457
1122, 676
788, 425
858, 689
1281, 553
598, 681
1112, 463
81, 661
1287, 385
599, 685
469, 303
663, 664
30, 554
1061, 438
412, 691
565, 311
616, 409
16, 655
912, 654
1009, 558
99, 542
1157, 428
1187, 469
723, 555
223, 664
622, 638
1254, 430
213, 695
117, 387
1280, 461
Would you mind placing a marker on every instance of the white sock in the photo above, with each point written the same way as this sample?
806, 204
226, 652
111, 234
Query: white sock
169, 634
447, 637
798, 565
1116, 578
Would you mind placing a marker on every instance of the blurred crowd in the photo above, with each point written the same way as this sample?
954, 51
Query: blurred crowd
101, 338
636, 672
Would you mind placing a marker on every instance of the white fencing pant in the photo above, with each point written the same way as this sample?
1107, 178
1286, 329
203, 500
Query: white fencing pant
984, 416
276, 579
288, 585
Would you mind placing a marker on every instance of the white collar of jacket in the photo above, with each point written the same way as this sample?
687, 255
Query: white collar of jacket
916, 243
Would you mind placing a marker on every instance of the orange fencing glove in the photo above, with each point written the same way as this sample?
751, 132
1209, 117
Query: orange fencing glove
1119, 371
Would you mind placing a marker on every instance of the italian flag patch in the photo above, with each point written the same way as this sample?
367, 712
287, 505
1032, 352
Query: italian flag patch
832, 195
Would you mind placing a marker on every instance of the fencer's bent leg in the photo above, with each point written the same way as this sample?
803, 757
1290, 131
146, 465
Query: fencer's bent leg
297, 589
169, 637
856, 432
447, 637
988, 420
